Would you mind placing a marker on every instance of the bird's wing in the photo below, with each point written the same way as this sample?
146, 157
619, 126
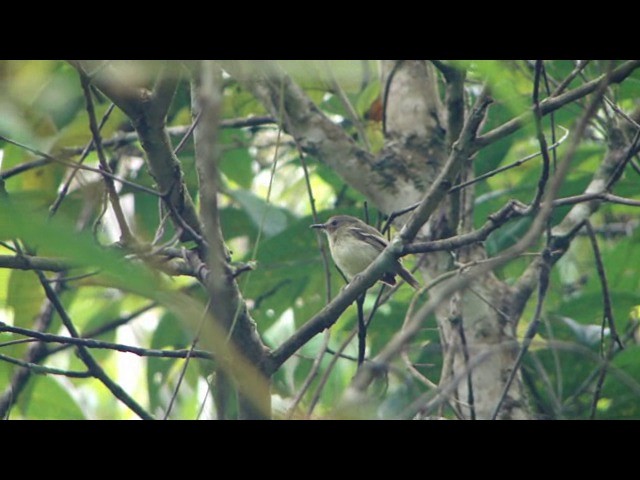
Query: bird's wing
371, 238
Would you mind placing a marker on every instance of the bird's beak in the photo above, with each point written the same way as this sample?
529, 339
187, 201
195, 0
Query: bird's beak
318, 225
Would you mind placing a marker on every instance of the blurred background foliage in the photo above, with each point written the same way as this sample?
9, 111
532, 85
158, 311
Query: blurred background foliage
43, 107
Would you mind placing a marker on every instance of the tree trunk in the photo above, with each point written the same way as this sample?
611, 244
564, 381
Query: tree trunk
477, 319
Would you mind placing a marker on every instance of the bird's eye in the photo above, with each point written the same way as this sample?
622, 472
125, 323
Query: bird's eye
334, 223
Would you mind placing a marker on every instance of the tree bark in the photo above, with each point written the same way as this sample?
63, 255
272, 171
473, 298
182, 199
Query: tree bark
415, 151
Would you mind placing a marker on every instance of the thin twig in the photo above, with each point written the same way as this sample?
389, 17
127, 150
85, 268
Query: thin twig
51, 158
607, 314
186, 360
187, 134
588, 197
43, 370
126, 236
544, 175
517, 163
315, 368
569, 78
85, 153
342, 96
23, 167
552, 115
338, 352
93, 366
93, 343
465, 354
362, 329
617, 173
312, 202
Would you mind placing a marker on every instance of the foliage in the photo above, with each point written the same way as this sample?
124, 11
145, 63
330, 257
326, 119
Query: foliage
264, 220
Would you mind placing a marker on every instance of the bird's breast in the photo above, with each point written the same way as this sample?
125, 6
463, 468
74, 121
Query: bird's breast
352, 255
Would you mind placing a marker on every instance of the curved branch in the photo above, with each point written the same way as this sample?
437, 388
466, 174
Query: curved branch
313, 131
147, 112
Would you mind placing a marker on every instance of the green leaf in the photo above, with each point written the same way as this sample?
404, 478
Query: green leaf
236, 164
366, 98
58, 238
622, 387
168, 334
272, 219
47, 399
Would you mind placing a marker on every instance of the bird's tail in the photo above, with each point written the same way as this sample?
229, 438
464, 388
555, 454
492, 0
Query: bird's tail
407, 277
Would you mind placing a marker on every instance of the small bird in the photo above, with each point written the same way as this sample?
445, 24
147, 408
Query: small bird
354, 245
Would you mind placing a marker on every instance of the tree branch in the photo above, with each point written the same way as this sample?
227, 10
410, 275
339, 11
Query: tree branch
584, 206
460, 152
43, 370
28, 262
454, 99
99, 344
229, 309
366, 374
552, 104
126, 237
21, 376
94, 368
147, 111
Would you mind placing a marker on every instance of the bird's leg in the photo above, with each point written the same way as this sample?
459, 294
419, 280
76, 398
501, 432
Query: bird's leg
362, 329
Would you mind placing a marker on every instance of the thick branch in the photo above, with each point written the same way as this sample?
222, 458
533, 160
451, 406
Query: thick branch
454, 99
28, 262
313, 131
229, 309
147, 112
366, 374
460, 152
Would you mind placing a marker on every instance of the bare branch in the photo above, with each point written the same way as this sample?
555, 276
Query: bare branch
43, 370
51, 158
94, 368
517, 163
99, 344
543, 285
454, 99
607, 314
544, 175
126, 235
230, 309
85, 152
554, 103
565, 83
28, 262
366, 375
460, 152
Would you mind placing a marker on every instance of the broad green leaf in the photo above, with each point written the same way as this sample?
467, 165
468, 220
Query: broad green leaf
59, 239
168, 334
47, 399
270, 218
366, 98
237, 166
